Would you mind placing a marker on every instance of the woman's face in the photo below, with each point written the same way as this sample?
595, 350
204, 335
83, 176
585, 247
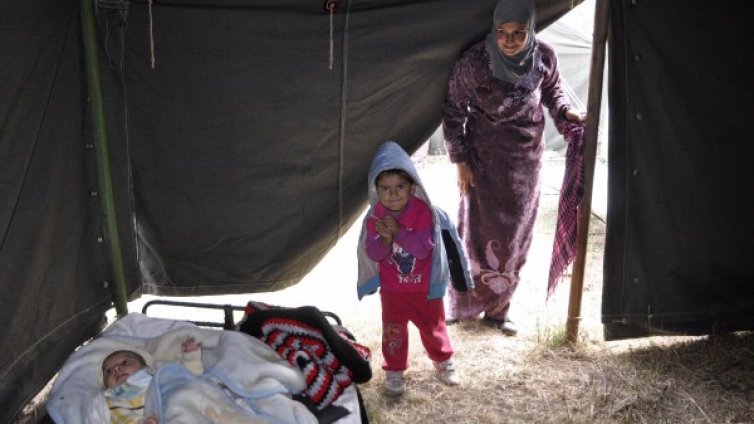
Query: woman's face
511, 37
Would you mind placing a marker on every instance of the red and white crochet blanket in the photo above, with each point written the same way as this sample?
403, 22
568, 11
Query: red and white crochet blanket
326, 354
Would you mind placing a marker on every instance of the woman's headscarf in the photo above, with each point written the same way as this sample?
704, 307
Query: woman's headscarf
512, 68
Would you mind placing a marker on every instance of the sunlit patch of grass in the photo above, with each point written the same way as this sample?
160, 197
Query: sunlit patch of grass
551, 335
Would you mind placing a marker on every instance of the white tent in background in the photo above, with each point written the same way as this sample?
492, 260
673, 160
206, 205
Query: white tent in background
571, 36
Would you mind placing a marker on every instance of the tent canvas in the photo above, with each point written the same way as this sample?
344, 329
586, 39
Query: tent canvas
236, 162
241, 157
678, 248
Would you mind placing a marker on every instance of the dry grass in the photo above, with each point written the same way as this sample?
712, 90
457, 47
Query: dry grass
533, 378
523, 380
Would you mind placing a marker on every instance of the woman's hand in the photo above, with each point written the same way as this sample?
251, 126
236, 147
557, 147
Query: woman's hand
465, 178
575, 116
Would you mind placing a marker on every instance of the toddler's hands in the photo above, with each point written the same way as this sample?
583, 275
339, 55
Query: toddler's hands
384, 233
387, 228
391, 225
190, 345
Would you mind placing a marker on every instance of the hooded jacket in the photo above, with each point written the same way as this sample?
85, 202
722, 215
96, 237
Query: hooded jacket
449, 261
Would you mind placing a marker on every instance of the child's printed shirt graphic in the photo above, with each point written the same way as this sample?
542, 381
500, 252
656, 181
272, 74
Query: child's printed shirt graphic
404, 263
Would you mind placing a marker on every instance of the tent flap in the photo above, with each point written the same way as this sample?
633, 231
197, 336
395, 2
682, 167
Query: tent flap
678, 254
53, 267
265, 143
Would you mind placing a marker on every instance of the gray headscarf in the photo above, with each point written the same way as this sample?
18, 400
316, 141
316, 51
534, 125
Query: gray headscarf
512, 68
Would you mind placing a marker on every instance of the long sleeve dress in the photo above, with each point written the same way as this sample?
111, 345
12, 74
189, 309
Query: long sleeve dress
496, 127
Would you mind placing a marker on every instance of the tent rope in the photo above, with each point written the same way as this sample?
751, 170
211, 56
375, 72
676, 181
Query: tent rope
331, 40
331, 6
151, 36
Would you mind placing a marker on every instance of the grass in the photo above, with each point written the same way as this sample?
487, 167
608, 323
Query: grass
551, 336
533, 379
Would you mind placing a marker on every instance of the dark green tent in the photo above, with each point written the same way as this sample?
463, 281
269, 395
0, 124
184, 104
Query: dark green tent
239, 133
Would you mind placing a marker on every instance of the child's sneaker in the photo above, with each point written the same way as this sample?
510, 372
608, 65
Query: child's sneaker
394, 382
446, 370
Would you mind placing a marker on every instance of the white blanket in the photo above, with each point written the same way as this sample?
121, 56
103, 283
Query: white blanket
246, 365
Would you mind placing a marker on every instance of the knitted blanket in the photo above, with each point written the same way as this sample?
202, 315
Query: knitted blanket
326, 354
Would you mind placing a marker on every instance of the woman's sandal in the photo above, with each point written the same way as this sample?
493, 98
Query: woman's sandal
504, 325
452, 321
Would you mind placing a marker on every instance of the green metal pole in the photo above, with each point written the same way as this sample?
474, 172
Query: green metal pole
94, 86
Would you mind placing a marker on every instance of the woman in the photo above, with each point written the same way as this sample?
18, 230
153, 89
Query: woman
493, 123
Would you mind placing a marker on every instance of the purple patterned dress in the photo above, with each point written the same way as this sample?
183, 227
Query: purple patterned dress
496, 127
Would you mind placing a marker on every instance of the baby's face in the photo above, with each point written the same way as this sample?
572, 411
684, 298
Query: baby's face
118, 367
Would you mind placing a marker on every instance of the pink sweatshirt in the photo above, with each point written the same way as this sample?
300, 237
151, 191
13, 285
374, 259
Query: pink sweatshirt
404, 266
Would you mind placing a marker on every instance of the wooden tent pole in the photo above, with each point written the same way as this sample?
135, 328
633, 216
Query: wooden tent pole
94, 87
599, 40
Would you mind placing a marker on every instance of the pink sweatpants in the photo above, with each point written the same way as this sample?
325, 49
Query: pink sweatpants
429, 318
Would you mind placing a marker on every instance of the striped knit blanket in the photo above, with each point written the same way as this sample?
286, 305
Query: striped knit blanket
326, 353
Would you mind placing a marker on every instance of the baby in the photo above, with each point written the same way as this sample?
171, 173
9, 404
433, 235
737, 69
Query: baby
127, 377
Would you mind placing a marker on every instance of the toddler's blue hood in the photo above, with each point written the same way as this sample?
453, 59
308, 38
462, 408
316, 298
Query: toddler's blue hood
390, 155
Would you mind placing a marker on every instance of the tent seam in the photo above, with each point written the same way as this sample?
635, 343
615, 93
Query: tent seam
343, 103
36, 140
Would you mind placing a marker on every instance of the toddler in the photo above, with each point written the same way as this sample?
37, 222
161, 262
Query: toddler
398, 253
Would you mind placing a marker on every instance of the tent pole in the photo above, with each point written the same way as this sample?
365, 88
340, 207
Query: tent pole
94, 87
599, 40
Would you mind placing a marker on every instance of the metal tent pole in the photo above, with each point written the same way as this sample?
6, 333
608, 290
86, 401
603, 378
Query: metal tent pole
94, 87
599, 40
